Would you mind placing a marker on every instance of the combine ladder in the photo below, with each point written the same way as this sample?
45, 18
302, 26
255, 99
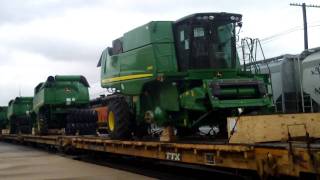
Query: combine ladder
249, 48
307, 103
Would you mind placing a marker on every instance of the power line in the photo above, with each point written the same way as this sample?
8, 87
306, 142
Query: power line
270, 38
283, 33
304, 13
310, 5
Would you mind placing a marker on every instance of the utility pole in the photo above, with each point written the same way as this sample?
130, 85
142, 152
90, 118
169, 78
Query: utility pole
305, 24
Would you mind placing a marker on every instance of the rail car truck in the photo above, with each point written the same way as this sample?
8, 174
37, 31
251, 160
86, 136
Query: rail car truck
184, 74
3, 117
19, 115
61, 102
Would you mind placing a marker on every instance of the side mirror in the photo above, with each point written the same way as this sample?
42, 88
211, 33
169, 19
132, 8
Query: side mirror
99, 62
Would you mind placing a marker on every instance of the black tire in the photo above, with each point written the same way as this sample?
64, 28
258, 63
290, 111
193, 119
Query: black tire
81, 116
18, 125
26, 125
13, 126
70, 116
71, 129
141, 130
185, 131
223, 130
122, 122
78, 120
42, 122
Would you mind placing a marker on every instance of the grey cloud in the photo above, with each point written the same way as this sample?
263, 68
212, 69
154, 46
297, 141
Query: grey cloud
40, 73
15, 11
4, 56
59, 49
192, 6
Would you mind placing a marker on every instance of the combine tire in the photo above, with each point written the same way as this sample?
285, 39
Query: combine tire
42, 123
13, 126
119, 123
81, 121
185, 131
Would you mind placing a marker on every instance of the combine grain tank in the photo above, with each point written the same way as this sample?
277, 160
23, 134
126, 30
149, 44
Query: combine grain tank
3, 117
57, 102
184, 74
19, 115
311, 80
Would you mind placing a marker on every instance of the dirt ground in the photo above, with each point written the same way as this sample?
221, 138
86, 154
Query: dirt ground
20, 162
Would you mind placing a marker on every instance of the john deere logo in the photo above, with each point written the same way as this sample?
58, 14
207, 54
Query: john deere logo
218, 74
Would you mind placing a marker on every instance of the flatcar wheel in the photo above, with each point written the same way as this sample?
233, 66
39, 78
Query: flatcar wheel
119, 124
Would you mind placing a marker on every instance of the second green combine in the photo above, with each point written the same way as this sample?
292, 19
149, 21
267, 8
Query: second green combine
61, 106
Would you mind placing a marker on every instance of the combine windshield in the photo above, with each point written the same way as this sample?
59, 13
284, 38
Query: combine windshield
206, 44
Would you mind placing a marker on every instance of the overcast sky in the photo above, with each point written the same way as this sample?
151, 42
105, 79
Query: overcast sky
39, 38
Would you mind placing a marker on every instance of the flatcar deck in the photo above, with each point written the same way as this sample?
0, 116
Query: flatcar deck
269, 159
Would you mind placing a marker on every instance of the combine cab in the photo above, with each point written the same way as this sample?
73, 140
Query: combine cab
59, 103
19, 115
184, 74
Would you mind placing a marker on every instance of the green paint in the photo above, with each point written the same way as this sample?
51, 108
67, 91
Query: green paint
194, 99
19, 115
61, 91
19, 107
59, 94
153, 32
168, 69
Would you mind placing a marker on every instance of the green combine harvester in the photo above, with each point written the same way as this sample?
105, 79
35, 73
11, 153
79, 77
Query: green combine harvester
19, 115
3, 117
184, 74
58, 105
